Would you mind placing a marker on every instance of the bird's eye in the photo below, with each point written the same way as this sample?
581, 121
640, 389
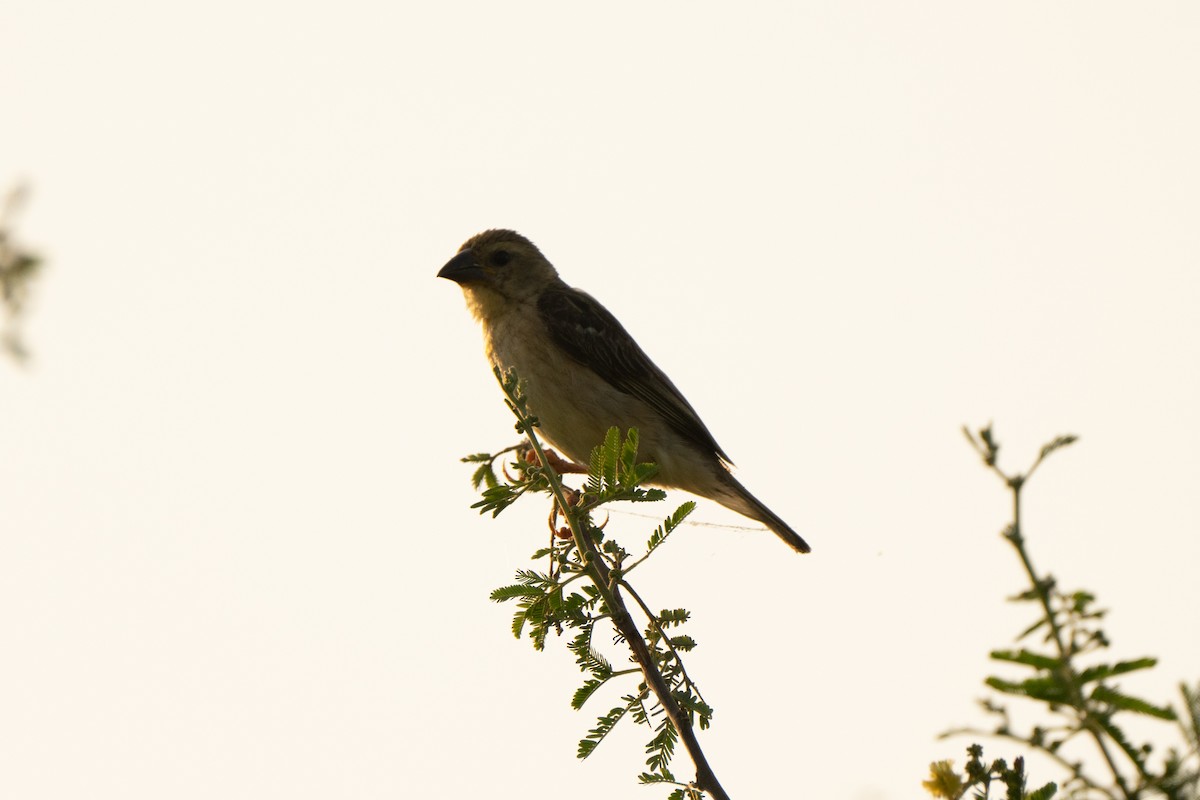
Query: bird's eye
499, 258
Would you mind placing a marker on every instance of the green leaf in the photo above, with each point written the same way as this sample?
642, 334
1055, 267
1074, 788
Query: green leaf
669, 524
597, 663
535, 579
662, 747
595, 479
612, 457
1027, 658
604, 726
673, 616
1191, 712
1118, 736
683, 643
538, 634
484, 474
1014, 779
497, 498
1048, 690
1133, 704
1102, 671
642, 473
1045, 793
518, 624
586, 691
1059, 442
1031, 628
693, 705
629, 452
515, 590
652, 777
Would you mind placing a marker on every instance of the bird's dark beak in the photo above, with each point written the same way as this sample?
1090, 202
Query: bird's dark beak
463, 268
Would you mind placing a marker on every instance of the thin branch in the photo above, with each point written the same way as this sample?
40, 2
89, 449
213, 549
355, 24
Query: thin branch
1015, 483
663, 634
601, 577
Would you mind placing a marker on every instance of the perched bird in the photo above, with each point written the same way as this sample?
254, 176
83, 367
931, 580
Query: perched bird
583, 373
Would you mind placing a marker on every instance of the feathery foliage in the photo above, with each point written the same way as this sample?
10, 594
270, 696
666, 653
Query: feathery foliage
980, 777
1060, 670
584, 590
19, 266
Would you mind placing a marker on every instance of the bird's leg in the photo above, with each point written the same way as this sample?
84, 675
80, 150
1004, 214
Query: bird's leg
559, 464
562, 532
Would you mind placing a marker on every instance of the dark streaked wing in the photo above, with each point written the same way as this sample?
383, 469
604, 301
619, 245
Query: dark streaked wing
593, 337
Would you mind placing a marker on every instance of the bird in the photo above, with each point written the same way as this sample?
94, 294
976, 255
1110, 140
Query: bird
583, 373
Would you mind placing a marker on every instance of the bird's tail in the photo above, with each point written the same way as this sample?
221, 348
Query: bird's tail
741, 501
781, 528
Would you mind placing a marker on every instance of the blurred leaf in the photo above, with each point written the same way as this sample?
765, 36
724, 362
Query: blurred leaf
1102, 671
1058, 443
1027, 658
1126, 703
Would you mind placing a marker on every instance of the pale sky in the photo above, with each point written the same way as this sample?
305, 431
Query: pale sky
237, 557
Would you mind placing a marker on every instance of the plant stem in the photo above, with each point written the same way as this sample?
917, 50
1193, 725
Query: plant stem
1070, 678
637, 598
600, 574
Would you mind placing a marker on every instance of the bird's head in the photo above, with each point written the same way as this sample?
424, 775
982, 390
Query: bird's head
498, 268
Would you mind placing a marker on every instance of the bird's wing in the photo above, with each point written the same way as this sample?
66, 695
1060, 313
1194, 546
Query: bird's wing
592, 336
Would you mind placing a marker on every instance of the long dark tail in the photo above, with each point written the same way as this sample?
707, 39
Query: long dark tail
747, 504
767, 517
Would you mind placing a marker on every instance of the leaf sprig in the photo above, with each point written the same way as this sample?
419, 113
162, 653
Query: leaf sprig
1079, 692
584, 587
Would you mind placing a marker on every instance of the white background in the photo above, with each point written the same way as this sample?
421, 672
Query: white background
237, 557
